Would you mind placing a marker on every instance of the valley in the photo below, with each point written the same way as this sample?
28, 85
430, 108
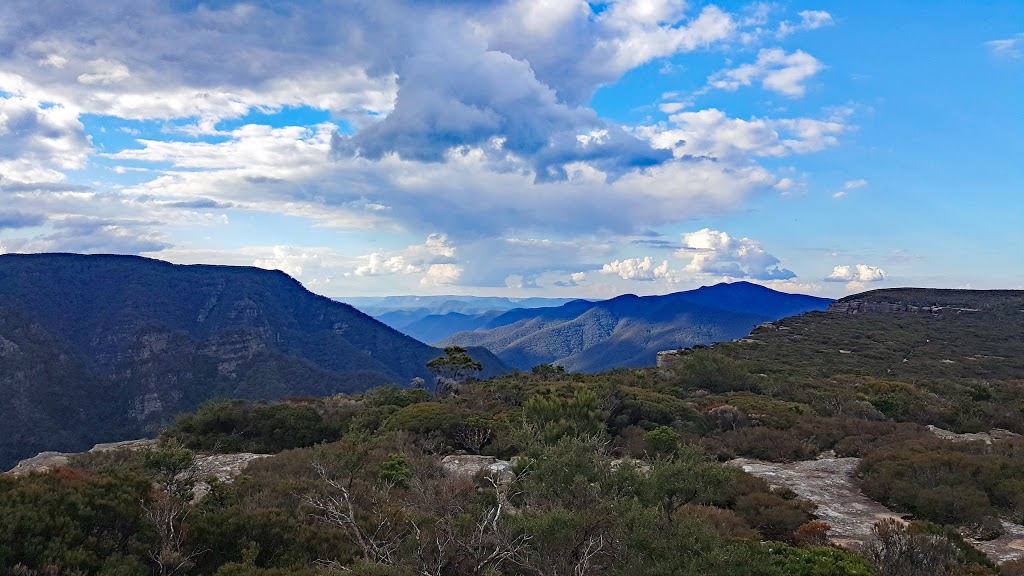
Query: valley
811, 445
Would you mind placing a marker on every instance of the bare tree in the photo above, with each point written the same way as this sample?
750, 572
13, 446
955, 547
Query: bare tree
168, 505
472, 434
376, 525
454, 540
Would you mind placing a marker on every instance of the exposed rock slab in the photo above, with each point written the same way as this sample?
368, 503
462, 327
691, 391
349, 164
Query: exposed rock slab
828, 482
472, 465
223, 467
992, 435
45, 461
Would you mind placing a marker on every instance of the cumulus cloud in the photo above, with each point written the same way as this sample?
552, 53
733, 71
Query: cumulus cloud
442, 275
469, 118
717, 253
861, 273
575, 279
285, 171
1008, 48
712, 133
37, 141
643, 269
291, 260
416, 78
809, 20
777, 71
434, 260
575, 50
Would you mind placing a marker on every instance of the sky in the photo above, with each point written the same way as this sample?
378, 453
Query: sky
523, 148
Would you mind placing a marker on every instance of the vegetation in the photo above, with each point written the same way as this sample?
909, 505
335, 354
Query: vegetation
136, 342
453, 369
610, 474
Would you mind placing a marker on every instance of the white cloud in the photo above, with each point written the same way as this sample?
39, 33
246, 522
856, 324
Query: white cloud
434, 259
850, 185
104, 72
777, 71
640, 269
442, 275
38, 141
856, 276
1008, 48
286, 171
717, 253
711, 133
290, 260
468, 118
809, 20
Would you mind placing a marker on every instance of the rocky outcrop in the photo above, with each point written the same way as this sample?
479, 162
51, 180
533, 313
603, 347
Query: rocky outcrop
471, 465
223, 467
668, 358
45, 461
864, 306
989, 437
861, 307
828, 482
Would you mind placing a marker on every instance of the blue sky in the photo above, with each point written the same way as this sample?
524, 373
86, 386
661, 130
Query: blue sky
545, 148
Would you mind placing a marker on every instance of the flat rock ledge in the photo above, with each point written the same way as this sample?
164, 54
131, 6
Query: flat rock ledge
223, 467
828, 482
46, 461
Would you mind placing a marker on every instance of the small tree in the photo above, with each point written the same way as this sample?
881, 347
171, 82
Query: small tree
168, 505
452, 369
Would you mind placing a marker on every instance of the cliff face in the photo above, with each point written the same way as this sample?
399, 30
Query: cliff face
860, 307
926, 301
101, 348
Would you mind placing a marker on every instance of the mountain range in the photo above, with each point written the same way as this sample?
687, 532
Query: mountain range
434, 318
629, 331
100, 348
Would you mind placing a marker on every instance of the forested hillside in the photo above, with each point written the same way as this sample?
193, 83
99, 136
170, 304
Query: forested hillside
98, 348
628, 331
619, 473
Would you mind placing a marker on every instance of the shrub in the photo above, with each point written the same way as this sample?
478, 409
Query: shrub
774, 517
240, 426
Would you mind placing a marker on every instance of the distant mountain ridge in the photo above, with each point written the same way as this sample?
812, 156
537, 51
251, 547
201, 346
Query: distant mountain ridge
99, 348
433, 318
629, 331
